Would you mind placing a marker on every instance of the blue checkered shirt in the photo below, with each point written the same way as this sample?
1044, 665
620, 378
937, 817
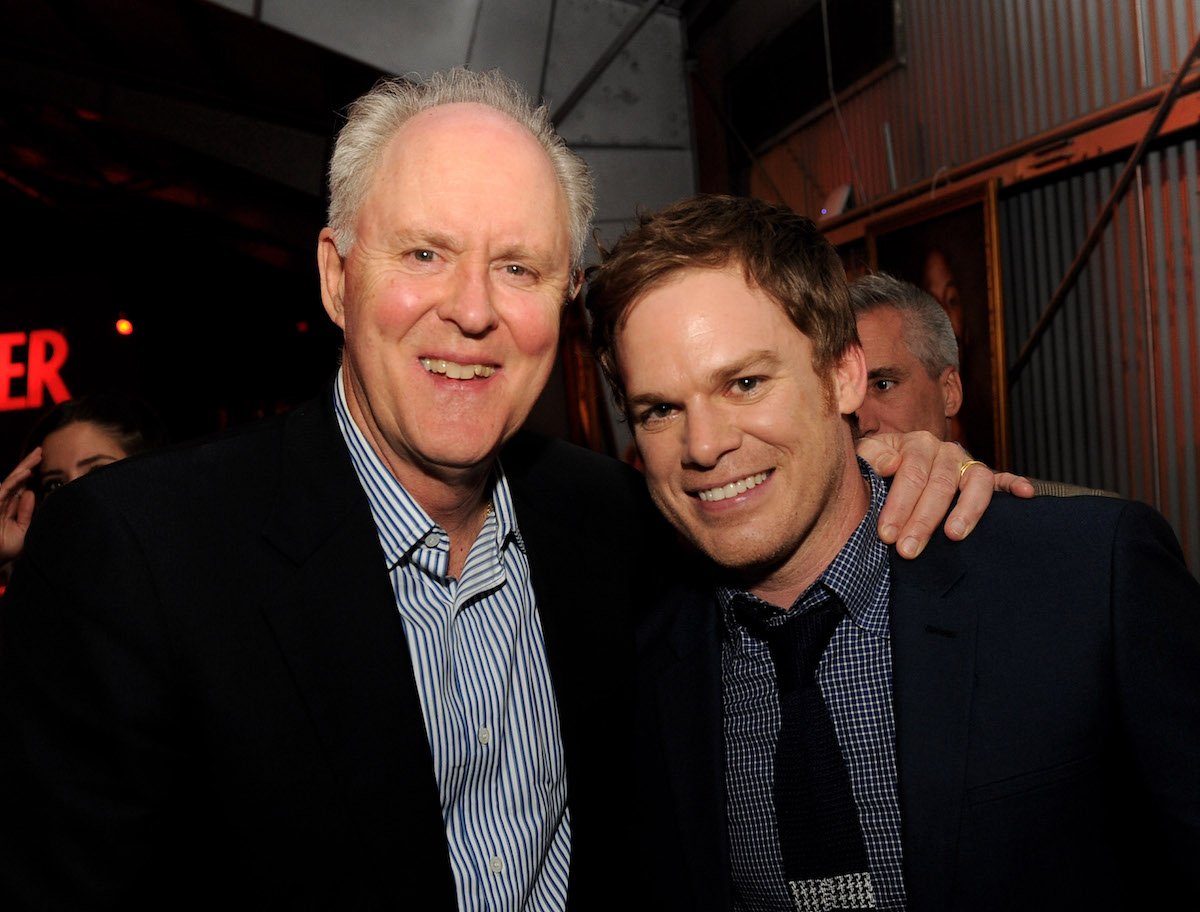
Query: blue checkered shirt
479, 660
855, 676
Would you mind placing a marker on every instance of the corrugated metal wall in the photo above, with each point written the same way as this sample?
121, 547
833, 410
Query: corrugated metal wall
1110, 397
980, 75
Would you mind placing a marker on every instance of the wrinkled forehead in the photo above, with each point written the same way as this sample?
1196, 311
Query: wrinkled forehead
470, 167
469, 137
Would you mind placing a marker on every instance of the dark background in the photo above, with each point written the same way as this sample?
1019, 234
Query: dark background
163, 162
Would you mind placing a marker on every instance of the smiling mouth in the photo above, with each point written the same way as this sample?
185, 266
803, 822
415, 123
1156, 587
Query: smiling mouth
456, 371
733, 489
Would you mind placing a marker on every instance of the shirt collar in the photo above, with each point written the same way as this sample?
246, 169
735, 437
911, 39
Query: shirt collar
854, 576
401, 523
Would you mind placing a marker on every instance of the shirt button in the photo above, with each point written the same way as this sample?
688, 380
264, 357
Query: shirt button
432, 539
496, 864
485, 735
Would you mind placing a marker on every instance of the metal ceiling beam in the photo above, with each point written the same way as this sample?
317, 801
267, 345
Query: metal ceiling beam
618, 44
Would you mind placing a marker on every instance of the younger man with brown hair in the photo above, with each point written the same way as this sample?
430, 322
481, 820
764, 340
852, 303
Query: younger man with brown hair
1005, 723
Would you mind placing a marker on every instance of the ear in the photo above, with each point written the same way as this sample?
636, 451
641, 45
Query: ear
850, 380
333, 277
952, 393
574, 286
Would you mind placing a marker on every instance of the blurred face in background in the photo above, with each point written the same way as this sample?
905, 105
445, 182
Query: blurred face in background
901, 395
938, 279
74, 450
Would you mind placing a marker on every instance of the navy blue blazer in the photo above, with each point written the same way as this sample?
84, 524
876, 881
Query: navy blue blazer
206, 699
1047, 699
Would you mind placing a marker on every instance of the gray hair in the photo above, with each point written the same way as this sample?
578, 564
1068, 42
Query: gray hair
375, 117
928, 333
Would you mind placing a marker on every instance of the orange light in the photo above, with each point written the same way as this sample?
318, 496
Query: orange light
124, 327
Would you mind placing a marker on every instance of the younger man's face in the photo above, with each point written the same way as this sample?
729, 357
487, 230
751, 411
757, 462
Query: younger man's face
746, 449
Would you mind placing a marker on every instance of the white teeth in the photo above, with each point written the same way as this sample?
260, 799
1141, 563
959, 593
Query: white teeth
732, 489
456, 371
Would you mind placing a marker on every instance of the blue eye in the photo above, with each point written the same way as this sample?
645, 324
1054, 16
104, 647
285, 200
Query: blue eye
655, 413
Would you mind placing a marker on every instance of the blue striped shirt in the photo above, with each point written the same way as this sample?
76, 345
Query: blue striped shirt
479, 659
855, 676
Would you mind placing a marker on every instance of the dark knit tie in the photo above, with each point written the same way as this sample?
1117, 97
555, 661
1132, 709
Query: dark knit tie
824, 858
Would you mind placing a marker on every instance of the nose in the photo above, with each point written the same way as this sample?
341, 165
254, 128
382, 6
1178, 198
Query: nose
468, 300
868, 418
709, 434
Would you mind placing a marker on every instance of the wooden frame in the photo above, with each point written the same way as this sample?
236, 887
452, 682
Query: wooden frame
950, 247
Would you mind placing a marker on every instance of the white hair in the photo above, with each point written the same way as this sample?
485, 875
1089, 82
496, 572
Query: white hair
375, 117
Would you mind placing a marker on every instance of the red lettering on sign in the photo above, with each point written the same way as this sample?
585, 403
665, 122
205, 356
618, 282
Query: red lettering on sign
47, 354
10, 369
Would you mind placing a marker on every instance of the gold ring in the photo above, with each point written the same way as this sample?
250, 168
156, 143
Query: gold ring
962, 469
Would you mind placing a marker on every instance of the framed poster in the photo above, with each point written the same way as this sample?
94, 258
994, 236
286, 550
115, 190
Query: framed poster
949, 246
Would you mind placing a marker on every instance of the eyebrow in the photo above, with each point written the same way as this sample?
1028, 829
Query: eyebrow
434, 237
421, 237
888, 370
756, 360
99, 457
762, 359
87, 463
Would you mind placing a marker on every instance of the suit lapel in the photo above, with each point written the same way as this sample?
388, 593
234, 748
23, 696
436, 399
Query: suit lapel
933, 658
581, 583
336, 623
684, 671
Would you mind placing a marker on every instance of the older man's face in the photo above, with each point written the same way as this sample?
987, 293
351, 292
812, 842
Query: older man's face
450, 298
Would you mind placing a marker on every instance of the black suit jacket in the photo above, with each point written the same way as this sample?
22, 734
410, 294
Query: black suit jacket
1047, 701
206, 698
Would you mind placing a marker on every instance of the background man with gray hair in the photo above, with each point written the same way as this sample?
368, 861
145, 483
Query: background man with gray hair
913, 383
912, 358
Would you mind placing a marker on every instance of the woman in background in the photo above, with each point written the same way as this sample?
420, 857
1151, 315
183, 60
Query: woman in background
72, 439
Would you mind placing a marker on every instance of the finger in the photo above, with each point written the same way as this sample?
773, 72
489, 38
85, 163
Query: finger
32, 458
975, 493
21, 473
880, 454
903, 495
25, 504
14, 524
909, 457
1017, 485
932, 501
920, 453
